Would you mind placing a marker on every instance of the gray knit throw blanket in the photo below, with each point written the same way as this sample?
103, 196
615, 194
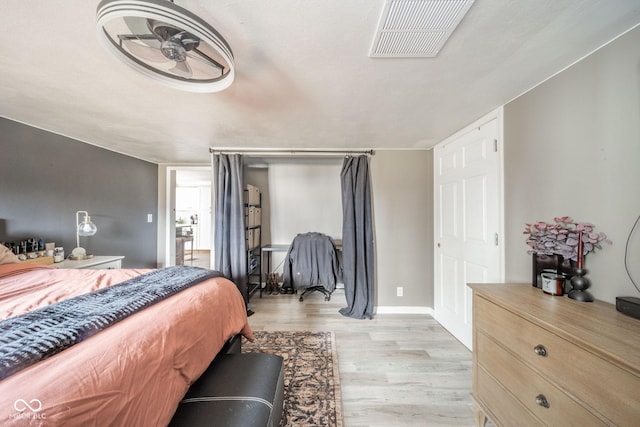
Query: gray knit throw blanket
28, 338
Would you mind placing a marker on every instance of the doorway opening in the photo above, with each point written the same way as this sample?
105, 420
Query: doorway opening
188, 213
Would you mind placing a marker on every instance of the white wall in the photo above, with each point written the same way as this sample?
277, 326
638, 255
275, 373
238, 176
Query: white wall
298, 196
303, 198
572, 147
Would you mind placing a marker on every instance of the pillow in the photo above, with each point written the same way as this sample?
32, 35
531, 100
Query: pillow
6, 256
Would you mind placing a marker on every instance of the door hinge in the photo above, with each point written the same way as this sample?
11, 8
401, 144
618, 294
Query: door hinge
495, 145
495, 239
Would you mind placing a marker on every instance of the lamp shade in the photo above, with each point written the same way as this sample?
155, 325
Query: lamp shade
86, 227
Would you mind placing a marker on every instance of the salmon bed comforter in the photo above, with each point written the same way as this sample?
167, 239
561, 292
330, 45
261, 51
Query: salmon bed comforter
133, 373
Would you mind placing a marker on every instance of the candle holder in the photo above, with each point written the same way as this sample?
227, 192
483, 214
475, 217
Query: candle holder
580, 285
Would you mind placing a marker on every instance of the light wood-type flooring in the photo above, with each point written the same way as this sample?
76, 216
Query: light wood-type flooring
395, 370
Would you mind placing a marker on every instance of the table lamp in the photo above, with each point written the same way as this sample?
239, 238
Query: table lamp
85, 228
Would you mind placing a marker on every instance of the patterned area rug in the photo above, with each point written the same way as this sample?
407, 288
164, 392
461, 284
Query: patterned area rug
311, 378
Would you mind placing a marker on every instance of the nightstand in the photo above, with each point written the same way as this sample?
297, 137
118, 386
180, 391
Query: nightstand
95, 263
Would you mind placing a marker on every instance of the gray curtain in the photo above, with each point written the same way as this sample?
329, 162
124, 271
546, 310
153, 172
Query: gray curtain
357, 238
230, 248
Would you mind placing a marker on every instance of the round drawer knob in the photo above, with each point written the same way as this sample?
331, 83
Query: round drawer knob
540, 350
542, 401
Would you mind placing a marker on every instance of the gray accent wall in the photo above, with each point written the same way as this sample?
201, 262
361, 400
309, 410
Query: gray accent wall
45, 178
572, 147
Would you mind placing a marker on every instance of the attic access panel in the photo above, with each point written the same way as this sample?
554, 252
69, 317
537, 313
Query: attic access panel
416, 28
167, 43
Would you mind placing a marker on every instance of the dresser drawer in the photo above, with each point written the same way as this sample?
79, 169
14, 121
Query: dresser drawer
500, 405
529, 387
609, 390
509, 411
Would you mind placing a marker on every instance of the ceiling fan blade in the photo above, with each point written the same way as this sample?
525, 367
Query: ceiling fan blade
182, 69
144, 52
204, 59
138, 28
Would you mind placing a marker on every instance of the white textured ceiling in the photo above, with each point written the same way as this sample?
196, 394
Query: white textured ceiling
304, 78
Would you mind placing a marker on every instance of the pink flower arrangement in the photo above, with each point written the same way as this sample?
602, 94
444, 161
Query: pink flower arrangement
561, 237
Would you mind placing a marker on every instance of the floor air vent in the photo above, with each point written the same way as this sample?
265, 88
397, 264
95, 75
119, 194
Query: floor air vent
416, 28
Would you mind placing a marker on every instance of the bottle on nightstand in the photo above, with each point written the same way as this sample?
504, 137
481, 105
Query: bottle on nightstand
58, 254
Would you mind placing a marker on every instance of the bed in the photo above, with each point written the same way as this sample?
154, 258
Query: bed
134, 372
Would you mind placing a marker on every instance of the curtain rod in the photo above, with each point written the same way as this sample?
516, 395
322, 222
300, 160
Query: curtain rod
289, 152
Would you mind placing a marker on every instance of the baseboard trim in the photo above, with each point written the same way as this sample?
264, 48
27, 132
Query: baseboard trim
404, 310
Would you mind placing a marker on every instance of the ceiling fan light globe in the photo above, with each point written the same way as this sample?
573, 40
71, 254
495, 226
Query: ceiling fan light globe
173, 51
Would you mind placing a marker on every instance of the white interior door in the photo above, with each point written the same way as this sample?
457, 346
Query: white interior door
468, 222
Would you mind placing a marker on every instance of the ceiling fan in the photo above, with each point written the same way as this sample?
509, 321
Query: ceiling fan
167, 43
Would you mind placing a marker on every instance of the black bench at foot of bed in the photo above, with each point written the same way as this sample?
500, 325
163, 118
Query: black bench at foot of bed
242, 389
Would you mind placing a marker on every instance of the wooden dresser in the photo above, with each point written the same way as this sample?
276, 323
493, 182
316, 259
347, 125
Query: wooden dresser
549, 360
